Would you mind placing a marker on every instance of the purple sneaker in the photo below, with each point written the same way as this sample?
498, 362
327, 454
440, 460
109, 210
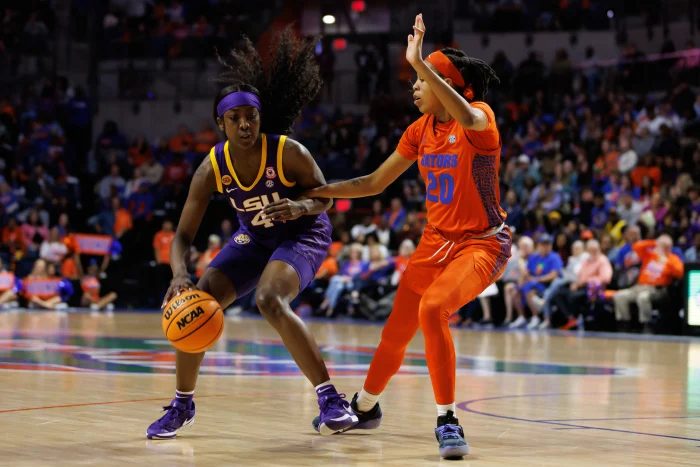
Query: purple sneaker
177, 416
336, 415
369, 420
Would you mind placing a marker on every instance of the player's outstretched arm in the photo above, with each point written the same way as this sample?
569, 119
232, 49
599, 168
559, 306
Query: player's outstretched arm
470, 118
299, 167
368, 185
201, 188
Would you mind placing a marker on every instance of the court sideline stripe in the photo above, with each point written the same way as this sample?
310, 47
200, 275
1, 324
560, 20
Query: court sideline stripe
88, 404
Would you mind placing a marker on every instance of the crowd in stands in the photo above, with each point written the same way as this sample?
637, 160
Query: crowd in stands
538, 15
597, 182
177, 28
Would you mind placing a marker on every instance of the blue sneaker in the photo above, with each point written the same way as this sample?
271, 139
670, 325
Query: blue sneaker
177, 416
336, 414
451, 437
366, 420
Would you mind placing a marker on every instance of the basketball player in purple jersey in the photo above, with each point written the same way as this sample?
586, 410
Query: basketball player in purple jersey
258, 165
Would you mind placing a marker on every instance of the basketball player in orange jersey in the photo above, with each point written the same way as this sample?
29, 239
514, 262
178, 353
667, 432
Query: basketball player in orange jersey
258, 164
465, 245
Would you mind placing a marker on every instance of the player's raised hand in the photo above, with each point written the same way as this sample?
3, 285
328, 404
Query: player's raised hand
283, 210
177, 286
414, 51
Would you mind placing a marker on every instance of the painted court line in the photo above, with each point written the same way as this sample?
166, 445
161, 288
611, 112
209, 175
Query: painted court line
466, 406
130, 401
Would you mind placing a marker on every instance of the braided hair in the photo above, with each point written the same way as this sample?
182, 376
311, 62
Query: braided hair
288, 81
474, 71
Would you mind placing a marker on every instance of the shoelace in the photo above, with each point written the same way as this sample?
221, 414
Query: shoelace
332, 399
450, 431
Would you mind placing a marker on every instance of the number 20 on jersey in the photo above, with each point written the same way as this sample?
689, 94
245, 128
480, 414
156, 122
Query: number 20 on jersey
440, 188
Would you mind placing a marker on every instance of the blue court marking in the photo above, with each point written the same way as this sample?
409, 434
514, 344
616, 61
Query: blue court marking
466, 406
553, 332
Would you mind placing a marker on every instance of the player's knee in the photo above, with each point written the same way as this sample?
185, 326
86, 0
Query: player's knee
429, 313
271, 305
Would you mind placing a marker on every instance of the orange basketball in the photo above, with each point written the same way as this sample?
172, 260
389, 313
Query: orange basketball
193, 321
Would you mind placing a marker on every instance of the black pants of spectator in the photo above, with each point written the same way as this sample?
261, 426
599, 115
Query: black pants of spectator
570, 303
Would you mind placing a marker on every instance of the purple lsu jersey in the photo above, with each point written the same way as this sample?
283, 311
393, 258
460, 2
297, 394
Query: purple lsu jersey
270, 185
301, 243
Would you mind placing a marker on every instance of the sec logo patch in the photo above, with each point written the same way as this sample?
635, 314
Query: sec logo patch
270, 172
226, 180
242, 239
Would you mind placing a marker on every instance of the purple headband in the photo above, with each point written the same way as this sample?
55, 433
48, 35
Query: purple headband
237, 99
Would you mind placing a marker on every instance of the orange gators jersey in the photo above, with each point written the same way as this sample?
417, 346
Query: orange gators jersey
460, 169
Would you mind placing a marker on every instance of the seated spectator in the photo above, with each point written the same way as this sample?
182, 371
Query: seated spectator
363, 229
660, 267
152, 170
205, 139
45, 288
10, 288
515, 269
569, 275
371, 240
385, 234
542, 268
595, 271
90, 284
182, 141
34, 232
396, 215
111, 184
692, 254
351, 270
177, 171
53, 250
328, 269
13, 239
140, 152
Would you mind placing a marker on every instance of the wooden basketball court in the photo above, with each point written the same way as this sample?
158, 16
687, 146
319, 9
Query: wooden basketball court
81, 390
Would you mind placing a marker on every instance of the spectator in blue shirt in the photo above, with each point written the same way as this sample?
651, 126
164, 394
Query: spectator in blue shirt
542, 268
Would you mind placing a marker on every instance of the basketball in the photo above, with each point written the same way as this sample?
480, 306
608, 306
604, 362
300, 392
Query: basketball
193, 321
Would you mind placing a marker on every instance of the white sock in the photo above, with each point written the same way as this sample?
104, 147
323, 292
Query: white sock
184, 393
323, 387
366, 401
442, 409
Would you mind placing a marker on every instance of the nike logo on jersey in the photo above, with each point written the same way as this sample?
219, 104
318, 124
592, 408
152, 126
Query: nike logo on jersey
232, 189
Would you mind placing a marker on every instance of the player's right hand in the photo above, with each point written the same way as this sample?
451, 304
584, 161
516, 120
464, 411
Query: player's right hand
177, 285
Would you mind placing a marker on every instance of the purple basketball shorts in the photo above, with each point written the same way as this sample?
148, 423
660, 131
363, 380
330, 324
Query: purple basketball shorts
245, 257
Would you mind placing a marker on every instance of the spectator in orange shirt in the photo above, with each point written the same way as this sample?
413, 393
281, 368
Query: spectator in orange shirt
182, 141
646, 168
205, 139
13, 238
328, 269
162, 242
212, 250
122, 218
140, 152
660, 267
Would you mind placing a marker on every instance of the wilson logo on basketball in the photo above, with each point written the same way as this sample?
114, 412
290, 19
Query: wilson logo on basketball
226, 180
188, 318
176, 304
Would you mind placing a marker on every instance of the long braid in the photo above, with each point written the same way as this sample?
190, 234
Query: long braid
474, 71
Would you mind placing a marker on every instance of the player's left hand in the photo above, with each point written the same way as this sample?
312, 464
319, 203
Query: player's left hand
283, 210
414, 51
